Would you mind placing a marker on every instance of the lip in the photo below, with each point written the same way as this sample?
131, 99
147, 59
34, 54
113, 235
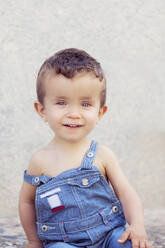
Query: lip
72, 126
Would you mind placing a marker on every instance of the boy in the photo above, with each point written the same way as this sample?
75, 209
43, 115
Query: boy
67, 198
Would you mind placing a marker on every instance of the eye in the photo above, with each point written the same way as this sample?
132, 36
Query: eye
60, 103
86, 104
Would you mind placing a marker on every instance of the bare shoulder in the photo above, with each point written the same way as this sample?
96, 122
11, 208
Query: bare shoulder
108, 156
37, 162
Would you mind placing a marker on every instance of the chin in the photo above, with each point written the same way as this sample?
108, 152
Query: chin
74, 139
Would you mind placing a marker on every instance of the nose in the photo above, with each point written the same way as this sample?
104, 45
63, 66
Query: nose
73, 112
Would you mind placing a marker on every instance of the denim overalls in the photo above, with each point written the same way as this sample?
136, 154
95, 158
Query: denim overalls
78, 208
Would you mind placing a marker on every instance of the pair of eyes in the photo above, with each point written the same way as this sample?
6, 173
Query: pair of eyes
84, 104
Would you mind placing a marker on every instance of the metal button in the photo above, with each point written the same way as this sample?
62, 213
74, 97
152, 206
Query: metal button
85, 181
44, 228
36, 179
90, 154
115, 209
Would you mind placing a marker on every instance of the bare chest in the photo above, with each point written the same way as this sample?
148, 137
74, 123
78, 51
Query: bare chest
55, 165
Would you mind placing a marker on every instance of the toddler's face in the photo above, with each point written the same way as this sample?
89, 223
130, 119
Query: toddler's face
72, 106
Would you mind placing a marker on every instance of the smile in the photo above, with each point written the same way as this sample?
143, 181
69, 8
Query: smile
72, 125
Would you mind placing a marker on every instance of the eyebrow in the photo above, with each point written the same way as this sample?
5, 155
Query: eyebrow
85, 98
61, 97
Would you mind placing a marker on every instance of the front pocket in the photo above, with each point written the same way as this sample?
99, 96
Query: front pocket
56, 203
88, 193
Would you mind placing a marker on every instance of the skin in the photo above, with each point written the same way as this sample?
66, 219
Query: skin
72, 109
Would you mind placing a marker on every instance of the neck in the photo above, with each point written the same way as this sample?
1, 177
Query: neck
71, 146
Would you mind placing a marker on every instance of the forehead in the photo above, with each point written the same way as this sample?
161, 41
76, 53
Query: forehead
82, 84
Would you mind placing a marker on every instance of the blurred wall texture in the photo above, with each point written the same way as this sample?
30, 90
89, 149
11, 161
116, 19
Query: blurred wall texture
128, 38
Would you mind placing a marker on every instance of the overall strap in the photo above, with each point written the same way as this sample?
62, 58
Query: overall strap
89, 156
35, 180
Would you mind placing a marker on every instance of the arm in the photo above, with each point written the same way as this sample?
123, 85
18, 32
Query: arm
130, 201
27, 215
27, 209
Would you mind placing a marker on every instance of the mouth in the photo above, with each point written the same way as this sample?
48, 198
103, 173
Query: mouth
72, 125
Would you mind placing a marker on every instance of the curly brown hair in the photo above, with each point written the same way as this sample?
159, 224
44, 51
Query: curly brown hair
69, 62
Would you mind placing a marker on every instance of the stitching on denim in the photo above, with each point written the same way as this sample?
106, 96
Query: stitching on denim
87, 161
63, 182
78, 201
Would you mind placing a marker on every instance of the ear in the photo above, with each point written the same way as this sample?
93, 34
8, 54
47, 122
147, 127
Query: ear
102, 111
40, 110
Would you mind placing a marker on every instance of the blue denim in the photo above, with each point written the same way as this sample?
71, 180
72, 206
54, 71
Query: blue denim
78, 208
109, 242
59, 245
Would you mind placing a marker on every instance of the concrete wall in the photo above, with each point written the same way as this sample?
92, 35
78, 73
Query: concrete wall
127, 37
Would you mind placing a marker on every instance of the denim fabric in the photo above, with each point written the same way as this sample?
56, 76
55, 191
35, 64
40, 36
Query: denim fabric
78, 208
109, 242
59, 245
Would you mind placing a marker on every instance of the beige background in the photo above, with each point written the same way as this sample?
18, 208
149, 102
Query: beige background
127, 37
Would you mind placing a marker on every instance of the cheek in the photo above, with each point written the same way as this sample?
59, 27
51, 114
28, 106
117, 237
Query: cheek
53, 113
92, 116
